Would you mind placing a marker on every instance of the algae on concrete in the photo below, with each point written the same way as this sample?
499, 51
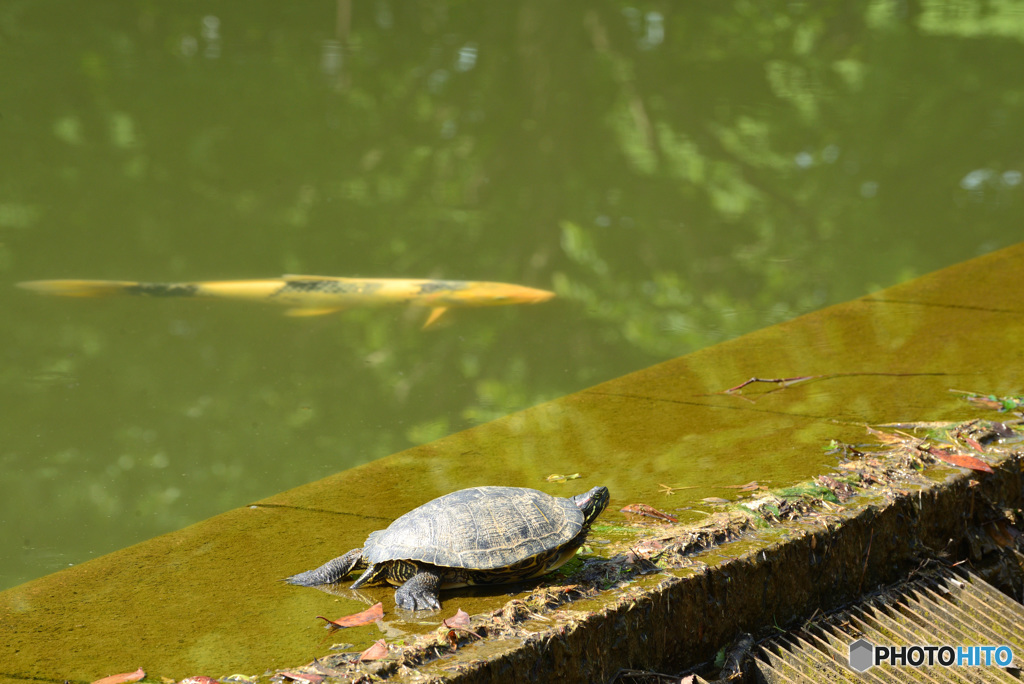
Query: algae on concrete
208, 598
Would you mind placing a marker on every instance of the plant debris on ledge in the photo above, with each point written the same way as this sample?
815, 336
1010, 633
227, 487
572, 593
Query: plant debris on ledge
674, 594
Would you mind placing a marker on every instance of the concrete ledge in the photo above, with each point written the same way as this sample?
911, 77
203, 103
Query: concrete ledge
675, 619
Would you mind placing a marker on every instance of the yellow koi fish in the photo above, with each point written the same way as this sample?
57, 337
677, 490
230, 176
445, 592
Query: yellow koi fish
313, 295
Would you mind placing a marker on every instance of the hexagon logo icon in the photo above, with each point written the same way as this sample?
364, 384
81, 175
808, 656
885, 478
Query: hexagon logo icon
862, 654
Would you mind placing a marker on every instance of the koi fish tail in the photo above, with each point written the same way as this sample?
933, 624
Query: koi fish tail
435, 314
82, 288
218, 289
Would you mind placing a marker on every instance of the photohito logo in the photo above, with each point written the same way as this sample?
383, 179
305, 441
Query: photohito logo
865, 655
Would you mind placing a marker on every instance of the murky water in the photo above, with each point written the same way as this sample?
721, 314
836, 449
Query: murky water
678, 177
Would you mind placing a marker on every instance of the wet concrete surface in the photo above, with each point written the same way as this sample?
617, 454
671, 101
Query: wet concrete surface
208, 599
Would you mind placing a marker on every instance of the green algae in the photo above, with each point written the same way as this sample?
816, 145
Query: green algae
208, 598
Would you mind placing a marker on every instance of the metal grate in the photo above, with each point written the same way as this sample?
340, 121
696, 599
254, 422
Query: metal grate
946, 608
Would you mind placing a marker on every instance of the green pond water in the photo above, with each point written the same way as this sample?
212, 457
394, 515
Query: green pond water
678, 175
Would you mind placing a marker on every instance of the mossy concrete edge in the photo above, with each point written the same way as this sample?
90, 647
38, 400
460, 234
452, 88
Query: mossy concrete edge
669, 623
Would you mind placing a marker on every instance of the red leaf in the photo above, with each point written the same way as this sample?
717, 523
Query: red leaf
460, 619
376, 652
121, 678
961, 460
370, 615
973, 443
985, 402
649, 511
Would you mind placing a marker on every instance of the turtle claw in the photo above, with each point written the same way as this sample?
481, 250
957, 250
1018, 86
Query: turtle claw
419, 592
417, 602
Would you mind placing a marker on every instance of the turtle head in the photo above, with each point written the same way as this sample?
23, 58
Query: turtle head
592, 504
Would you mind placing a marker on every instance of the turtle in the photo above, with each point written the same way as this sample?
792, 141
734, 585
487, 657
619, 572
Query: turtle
480, 535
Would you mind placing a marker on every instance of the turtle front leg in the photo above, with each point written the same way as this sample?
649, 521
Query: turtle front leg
420, 591
331, 571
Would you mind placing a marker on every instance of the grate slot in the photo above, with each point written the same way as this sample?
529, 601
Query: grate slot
836, 655
768, 673
825, 668
782, 666
844, 648
802, 662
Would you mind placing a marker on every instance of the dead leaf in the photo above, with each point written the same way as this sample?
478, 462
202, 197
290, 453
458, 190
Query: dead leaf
376, 652
961, 460
991, 401
303, 676
842, 490
973, 443
325, 669
749, 487
999, 533
121, 678
1002, 430
368, 616
650, 545
884, 437
460, 619
199, 679
452, 638
458, 623
985, 402
714, 500
649, 511
562, 478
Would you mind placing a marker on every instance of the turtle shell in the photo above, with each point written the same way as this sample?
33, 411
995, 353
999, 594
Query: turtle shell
481, 528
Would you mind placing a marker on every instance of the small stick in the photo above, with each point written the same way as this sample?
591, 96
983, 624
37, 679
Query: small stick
780, 381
